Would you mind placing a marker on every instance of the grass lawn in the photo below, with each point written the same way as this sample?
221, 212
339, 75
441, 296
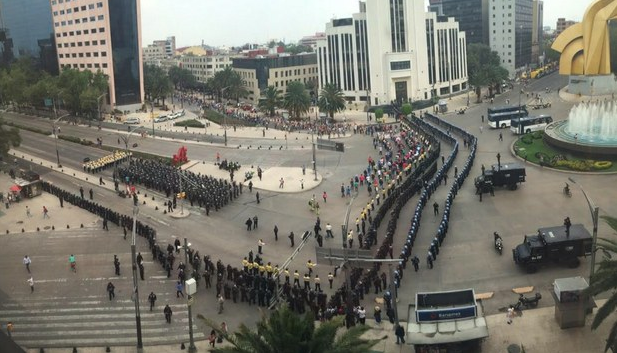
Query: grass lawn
538, 147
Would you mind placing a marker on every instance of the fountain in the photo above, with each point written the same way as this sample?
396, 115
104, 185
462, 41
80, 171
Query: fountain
590, 130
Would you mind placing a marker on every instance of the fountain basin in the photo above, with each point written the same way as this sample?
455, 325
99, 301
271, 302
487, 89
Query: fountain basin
558, 134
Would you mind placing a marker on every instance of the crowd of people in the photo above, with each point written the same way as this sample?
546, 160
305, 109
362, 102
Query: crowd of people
105, 162
206, 191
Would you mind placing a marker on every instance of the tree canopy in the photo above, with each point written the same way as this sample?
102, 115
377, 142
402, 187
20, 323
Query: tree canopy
228, 84
285, 331
297, 100
270, 100
21, 84
331, 99
157, 84
605, 280
181, 78
8, 138
483, 66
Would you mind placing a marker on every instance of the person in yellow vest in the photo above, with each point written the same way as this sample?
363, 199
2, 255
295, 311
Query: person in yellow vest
249, 266
255, 268
358, 225
296, 278
377, 198
310, 266
307, 281
245, 264
262, 269
330, 279
317, 283
275, 272
286, 272
269, 270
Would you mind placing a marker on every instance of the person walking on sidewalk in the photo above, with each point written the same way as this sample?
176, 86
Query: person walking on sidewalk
221, 301
110, 290
27, 262
400, 334
91, 194
45, 212
28, 214
325, 197
31, 283
276, 233
260, 245
435, 208
179, 290
152, 300
167, 311
291, 239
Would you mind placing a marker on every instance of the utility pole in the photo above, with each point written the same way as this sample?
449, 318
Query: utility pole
140, 344
192, 348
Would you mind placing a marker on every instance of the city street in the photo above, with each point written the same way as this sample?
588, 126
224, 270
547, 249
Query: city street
466, 260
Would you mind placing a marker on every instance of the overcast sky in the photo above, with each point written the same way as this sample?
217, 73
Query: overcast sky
236, 22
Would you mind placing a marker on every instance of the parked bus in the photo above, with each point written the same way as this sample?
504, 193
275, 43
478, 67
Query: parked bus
502, 120
530, 123
507, 108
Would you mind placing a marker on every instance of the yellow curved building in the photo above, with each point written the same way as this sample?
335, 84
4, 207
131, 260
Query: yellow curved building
584, 47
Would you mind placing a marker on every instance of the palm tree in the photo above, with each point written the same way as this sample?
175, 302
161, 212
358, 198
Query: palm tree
272, 99
297, 100
286, 331
229, 84
331, 100
605, 280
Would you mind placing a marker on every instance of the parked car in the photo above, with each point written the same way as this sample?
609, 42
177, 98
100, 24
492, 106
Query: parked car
160, 119
180, 113
132, 121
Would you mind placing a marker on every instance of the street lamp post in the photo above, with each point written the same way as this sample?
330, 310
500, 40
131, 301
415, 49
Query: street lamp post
368, 105
135, 281
224, 116
55, 131
594, 210
313, 143
192, 348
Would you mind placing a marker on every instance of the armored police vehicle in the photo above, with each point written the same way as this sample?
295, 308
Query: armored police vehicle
507, 174
553, 244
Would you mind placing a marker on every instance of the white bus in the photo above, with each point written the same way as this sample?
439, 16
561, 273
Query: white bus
502, 120
530, 123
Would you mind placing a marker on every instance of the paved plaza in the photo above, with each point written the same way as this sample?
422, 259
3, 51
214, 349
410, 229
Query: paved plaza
77, 304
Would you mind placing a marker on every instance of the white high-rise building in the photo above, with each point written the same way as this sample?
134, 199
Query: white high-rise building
393, 51
510, 31
342, 57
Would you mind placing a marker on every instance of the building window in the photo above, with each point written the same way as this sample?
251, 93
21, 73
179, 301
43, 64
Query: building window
103, 53
55, 13
70, 22
77, 21
71, 33
82, 66
86, 31
62, 12
101, 29
89, 65
58, 35
95, 42
73, 44
88, 55
76, 9
81, 55
78, 33
83, 8
59, 45
74, 55
100, 18
99, 4
69, 10
96, 54
74, 66
63, 23
66, 45
91, 6
93, 30
84, 20
79, 44
400, 65
104, 65
92, 18
87, 43
97, 65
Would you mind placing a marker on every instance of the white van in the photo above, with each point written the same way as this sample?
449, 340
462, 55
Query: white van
131, 121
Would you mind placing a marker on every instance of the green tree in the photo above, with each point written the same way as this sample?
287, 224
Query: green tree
331, 99
271, 100
297, 100
79, 90
8, 138
229, 84
605, 280
285, 331
484, 69
406, 109
378, 115
181, 78
157, 84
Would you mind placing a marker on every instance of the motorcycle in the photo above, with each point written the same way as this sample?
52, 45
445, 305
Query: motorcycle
566, 190
527, 302
498, 243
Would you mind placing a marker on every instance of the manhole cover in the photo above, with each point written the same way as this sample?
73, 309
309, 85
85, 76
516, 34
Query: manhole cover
47, 227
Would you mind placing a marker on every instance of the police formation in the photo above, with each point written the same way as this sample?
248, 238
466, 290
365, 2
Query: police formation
206, 191
254, 283
106, 162
105, 213
399, 194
